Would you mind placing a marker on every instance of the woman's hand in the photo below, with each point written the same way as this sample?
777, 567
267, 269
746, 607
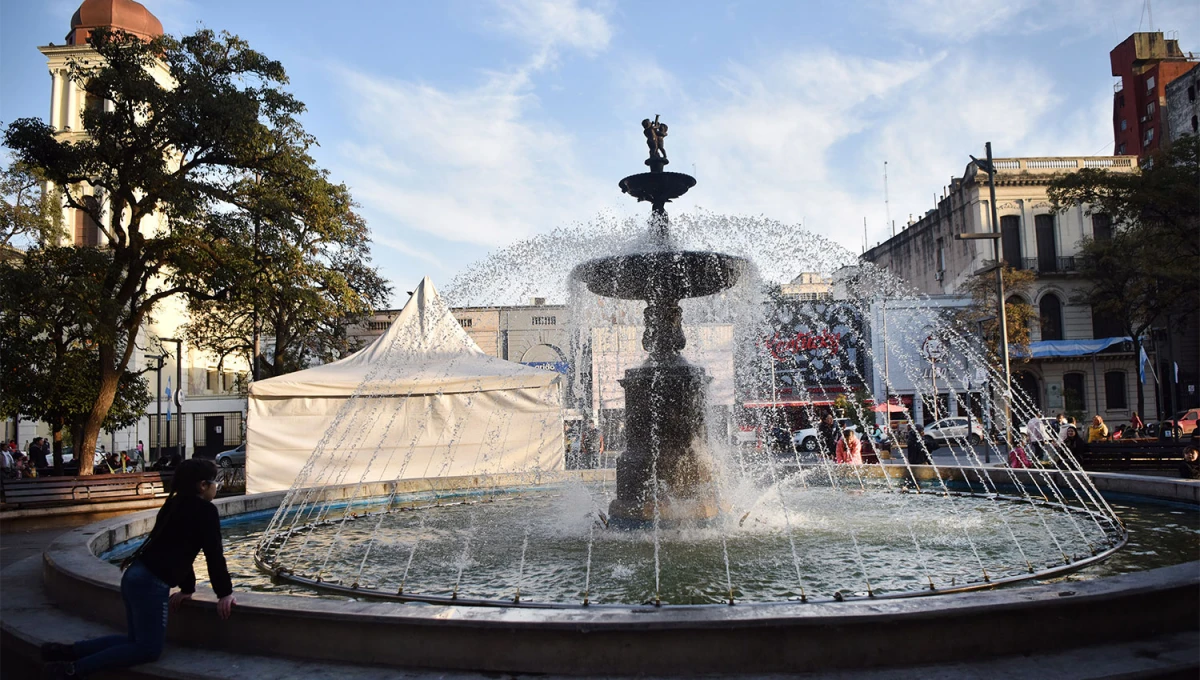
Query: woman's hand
225, 606
178, 599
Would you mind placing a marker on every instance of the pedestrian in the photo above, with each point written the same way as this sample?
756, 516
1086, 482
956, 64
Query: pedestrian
38, 452
1136, 423
828, 434
187, 524
1017, 458
916, 453
1073, 443
593, 449
1098, 432
1036, 435
849, 448
8, 467
1190, 467
1060, 427
141, 449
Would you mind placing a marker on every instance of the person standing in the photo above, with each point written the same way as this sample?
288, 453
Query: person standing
187, 524
1060, 427
828, 434
1036, 434
916, 452
1098, 432
849, 448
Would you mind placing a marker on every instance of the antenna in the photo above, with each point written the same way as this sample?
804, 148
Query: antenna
864, 234
887, 206
1150, 14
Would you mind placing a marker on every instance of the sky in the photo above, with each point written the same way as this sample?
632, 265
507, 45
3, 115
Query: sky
464, 126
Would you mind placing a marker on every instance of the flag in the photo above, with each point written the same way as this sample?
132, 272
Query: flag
1176, 372
169, 398
1142, 365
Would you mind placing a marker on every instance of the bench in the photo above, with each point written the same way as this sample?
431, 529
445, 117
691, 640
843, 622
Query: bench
52, 491
1134, 456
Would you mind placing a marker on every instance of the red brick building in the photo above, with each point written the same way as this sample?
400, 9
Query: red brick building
1145, 63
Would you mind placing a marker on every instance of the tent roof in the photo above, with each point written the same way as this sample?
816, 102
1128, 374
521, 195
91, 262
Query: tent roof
424, 351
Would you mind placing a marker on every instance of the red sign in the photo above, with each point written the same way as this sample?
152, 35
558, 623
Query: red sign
784, 349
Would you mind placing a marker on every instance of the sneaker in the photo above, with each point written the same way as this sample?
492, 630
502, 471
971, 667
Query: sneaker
61, 670
57, 651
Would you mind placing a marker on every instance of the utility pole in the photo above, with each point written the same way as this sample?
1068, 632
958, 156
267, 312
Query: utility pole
157, 400
989, 167
178, 390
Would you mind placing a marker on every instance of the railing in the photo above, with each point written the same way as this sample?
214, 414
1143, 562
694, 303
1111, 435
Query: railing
1058, 164
1061, 265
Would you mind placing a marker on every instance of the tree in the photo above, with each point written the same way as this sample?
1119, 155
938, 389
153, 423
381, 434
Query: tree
175, 147
984, 312
307, 256
1150, 266
24, 210
49, 300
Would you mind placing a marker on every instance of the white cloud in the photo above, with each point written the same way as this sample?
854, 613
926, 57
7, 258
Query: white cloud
468, 166
549, 25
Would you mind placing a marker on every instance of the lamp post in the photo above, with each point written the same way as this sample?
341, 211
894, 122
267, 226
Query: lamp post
178, 389
157, 400
989, 167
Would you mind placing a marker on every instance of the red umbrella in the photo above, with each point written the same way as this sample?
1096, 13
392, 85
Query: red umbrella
888, 407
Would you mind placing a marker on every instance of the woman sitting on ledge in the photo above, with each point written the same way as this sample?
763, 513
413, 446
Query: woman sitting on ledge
187, 523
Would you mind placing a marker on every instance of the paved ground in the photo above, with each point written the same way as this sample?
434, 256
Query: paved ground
18, 545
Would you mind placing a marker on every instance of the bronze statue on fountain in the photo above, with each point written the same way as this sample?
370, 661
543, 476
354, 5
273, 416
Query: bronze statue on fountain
666, 471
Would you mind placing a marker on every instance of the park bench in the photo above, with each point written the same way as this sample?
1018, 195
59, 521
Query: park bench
1134, 456
90, 489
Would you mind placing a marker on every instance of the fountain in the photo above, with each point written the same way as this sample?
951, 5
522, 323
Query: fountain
666, 473
729, 561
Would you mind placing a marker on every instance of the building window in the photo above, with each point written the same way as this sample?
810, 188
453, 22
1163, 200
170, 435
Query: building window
941, 255
465, 323
544, 320
87, 230
1101, 227
1149, 137
1050, 309
1124, 124
1104, 326
1074, 393
211, 383
1047, 247
1121, 149
1150, 83
1115, 397
1192, 93
1149, 109
1195, 124
1010, 240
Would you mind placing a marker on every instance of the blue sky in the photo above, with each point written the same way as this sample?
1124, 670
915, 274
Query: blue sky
463, 126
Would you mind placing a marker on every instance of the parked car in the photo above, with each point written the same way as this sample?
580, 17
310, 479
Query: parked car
806, 439
1185, 422
233, 457
954, 429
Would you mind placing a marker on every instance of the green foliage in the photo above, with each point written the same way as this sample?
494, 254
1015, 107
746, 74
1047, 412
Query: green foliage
49, 304
1150, 268
306, 275
25, 211
1019, 314
191, 120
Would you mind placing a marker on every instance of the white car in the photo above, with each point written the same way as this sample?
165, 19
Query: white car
806, 439
954, 430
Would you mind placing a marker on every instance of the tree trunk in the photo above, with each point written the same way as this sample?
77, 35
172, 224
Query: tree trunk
86, 445
57, 435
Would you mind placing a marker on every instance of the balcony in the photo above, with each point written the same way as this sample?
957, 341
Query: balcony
1061, 265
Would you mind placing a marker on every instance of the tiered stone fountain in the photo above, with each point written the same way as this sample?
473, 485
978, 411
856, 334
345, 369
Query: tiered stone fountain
666, 473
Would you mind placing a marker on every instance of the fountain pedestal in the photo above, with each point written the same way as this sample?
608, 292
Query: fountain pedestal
667, 444
666, 471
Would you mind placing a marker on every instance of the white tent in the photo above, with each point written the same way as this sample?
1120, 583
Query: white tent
421, 401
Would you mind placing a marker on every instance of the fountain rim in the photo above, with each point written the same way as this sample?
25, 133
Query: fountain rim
282, 573
749, 638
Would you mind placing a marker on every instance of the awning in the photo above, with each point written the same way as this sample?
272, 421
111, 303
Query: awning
785, 404
1047, 349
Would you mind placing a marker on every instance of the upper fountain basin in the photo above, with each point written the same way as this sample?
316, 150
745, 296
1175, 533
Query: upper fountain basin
657, 187
661, 275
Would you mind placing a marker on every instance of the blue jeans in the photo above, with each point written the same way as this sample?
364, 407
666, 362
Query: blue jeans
146, 599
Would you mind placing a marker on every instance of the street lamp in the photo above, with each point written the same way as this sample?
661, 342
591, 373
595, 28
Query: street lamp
178, 389
158, 400
989, 167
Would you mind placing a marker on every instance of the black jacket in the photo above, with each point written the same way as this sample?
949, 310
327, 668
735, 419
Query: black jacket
189, 524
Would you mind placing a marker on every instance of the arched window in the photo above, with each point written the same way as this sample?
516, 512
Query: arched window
1115, 396
1050, 308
